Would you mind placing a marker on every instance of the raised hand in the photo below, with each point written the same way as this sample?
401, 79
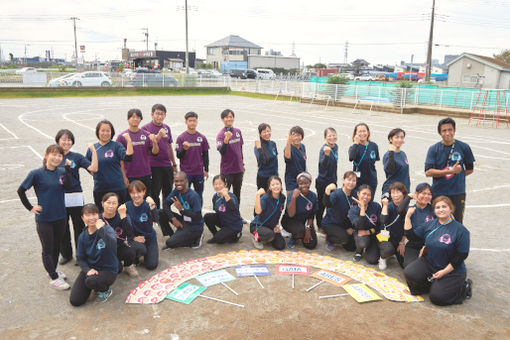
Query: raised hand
122, 210
456, 168
257, 143
185, 145
327, 150
356, 139
99, 224
228, 135
261, 192
127, 137
410, 211
177, 203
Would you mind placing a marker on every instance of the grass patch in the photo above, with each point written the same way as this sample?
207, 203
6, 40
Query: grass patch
6, 93
261, 96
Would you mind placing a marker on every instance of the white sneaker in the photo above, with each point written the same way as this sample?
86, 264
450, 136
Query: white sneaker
131, 271
285, 233
59, 284
61, 275
257, 244
382, 264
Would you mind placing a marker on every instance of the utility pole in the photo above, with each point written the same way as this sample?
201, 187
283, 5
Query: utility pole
146, 33
75, 41
346, 51
429, 50
186, 20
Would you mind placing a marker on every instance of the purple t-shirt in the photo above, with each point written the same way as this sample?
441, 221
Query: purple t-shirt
192, 162
140, 165
165, 143
232, 160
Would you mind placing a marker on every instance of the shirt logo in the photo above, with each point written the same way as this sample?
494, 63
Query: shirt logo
429, 218
446, 239
237, 134
406, 161
456, 156
166, 130
373, 218
222, 208
309, 206
143, 137
199, 139
144, 217
186, 205
274, 152
73, 164
108, 154
61, 180
372, 154
101, 245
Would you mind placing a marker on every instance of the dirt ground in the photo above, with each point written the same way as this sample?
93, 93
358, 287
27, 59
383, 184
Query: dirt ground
31, 309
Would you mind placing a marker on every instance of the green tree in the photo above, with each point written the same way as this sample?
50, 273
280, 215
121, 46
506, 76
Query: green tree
11, 58
504, 56
338, 79
319, 65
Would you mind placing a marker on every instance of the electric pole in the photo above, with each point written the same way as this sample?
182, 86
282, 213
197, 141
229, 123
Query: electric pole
146, 33
186, 19
75, 41
346, 51
429, 49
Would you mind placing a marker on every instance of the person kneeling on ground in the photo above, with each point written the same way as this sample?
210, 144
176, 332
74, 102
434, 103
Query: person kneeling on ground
97, 257
302, 206
226, 214
189, 221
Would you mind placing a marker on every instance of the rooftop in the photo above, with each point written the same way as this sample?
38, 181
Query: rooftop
233, 41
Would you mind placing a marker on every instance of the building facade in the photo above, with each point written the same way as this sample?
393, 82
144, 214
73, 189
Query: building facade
231, 53
476, 71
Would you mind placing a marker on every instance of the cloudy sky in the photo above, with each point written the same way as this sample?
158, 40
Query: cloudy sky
382, 32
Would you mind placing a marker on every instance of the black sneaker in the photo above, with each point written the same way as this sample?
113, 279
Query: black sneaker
469, 288
198, 243
64, 260
357, 257
211, 240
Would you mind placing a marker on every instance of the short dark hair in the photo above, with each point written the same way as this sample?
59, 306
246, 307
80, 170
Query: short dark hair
423, 186
398, 186
271, 179
181, 173
350, 174
221, 177
445, 121
395, 132
328, 129
299, 130
107, 122
159, 107
89, 208
134, 112
136, 185
365, 186
356, 130
225, 113
190, 114
108, 195
63, 132
263, 126
53, 148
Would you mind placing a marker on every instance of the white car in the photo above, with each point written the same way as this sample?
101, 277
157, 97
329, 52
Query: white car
263, 73
26, 69
364, 77
60, 81
90, 78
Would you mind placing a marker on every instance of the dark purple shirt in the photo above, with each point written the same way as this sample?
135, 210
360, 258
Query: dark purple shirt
165, 143
140, 165
232, 160
192, 162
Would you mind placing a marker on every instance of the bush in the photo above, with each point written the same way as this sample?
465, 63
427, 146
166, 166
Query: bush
339, 79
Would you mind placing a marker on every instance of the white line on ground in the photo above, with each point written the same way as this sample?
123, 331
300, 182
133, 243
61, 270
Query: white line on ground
488, 206
9, 131
15, 199
492, 188
23, 146
491, 250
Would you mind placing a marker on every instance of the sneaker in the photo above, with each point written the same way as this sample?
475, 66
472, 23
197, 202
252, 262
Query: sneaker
291, 243
357, 257
131, 270
330, 246
103, 296
469, 288
61, 275
257, 244
285, 233
59, 284
382, 264
165, 247
246, 221
64, 260
211, 240
198, 243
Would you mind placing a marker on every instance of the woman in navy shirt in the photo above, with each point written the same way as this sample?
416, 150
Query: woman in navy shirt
269, 208
301, 208
396, 165
108, 177
363, 154
65, 139
365, 218
441, 269
328, 164
295, 157
226, 216
49, 184
267, 156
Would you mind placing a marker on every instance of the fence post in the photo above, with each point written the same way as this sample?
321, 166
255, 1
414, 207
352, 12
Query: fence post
336, 92
441, 99
471, 103
416, 94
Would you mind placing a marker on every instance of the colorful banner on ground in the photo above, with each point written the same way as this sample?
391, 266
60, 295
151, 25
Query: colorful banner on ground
331, 277
361, 293
252, 270
214, 278
289, 269
185, 293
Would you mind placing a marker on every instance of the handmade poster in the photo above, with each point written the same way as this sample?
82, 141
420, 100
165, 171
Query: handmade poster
361, 293
185, 293
252, 270
214, 278
73, 199
288, 269
331, 277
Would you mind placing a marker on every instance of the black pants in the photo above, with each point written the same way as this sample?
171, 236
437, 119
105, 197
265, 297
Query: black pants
459, 202
127, 254
50, 234
221, 234
267, 235
85, 284
98, 197
262, 182
411, 254
162, 181
387, 249
448, 290
66, 249
235, 181
297, 229
149, 250
164, 223
184, 237
320, 197
336, 234
371, 246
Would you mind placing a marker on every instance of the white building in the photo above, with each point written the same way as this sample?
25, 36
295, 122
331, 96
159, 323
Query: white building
472, 70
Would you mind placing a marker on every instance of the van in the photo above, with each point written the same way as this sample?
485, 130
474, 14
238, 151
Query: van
264, 73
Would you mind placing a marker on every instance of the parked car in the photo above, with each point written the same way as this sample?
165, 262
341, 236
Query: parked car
153, 79
264, 73
216, 74
251, 74
365, 77
26, 70
238, 73
60, 81
90, 78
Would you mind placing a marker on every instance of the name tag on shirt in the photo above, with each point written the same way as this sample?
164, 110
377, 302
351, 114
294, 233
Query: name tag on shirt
74, 199
358, 173
186, 218
383, 236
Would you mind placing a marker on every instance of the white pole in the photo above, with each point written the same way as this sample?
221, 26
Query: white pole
256, 278
233, 291
330, 296
315, 285
293, 279
214, 299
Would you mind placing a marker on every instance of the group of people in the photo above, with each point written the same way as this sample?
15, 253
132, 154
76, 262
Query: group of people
116, 233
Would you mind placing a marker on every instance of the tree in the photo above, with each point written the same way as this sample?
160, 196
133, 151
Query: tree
11, 58
338, 79
504, 56
319, 65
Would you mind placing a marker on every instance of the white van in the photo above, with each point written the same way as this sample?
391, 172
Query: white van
264, 73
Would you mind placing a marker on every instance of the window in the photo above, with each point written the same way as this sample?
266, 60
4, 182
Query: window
210, 51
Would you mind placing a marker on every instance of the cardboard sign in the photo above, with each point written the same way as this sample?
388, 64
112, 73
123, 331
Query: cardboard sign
361, 293
214, 278
331, 277
252, 270
185, 293
289, 269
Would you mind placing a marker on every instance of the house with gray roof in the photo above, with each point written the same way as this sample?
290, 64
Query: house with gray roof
477, 71
231, 53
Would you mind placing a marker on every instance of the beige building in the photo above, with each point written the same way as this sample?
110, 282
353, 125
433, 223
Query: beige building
272, 61
472, 70
231, 53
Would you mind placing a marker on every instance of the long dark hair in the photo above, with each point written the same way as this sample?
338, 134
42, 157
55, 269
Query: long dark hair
261, 128
53, 148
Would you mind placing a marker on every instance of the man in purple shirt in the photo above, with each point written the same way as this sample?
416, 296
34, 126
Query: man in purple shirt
144, 145
193, 153
163, 165
229, 143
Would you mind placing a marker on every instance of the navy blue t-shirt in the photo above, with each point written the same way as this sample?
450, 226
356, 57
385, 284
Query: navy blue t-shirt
49, 189
306, 206
267, 161
337, 214
328, 166
401, 173
78, 161
372, 214
271, 211
418, 218
442, 243
394, 223
109, 174
437, 158
364, 162
230, 218
190, 201
294, 166
94, 249
141, 219
119, 226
